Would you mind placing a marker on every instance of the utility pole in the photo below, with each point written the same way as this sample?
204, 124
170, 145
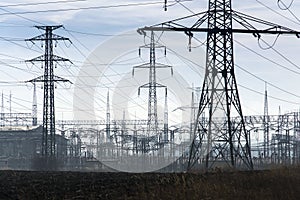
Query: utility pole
48, 79
10, 115
152, 85
166, 120
266, 122
2, 111
34, 106
107, 118
222, 140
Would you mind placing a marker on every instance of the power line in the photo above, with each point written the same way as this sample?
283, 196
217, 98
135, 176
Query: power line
287, 7
271, 9
268, 59
96, 66
5, 38
261, 93
40, 3
83, 8
12, 13
261, 79
97, 34
283, 56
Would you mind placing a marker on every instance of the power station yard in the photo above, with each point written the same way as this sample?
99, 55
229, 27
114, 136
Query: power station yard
281, 183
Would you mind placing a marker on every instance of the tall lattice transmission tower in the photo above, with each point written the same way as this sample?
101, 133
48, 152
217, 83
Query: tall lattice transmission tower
152, 85
266, 122
34, 106
222, 137
48, 147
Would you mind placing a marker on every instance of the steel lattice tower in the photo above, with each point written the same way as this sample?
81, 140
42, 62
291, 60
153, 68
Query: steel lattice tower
152, 104
266, 122
48, 79
214, 139
107, 118
166, 119
219, 94
34, 106
152, 85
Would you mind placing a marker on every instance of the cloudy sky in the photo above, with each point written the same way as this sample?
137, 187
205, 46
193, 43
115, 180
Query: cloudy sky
94, 27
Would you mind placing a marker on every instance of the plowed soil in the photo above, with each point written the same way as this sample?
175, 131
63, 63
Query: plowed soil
271, 184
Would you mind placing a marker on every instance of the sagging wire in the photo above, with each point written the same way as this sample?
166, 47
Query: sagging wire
285, 7
202, 43
176, 2
268, 45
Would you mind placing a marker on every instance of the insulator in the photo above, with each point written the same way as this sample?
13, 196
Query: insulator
165, 51
132, 72
140, 52
166, 8
172, 72
139, 92
190, 43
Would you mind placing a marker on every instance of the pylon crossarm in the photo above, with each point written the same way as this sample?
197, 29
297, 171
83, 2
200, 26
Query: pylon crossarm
37, 59
43, 37
157, 85
60, 79
157, 45
52, 27
245, 20
43, 79
60, 59
272, 30
42, 58
159, 65
38, 79
201, 18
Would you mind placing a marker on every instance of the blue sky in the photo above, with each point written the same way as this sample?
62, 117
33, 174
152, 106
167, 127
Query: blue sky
88, 29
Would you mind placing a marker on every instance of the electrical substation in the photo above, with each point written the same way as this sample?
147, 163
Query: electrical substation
214, 132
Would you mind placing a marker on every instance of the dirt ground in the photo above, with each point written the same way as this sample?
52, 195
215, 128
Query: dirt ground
272, 184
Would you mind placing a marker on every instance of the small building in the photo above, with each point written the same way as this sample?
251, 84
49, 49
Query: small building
18, 147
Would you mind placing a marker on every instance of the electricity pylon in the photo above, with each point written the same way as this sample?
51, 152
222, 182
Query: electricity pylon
215, 140
48, 79
34, 106
266, 123
152, 85
107, 118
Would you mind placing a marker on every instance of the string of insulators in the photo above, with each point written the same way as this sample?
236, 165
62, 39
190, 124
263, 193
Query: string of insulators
190, 43
165, 6
190, 34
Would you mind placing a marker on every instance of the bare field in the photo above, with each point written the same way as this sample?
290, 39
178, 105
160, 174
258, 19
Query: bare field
283, 183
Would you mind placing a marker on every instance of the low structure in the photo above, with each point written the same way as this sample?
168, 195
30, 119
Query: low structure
18, 147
